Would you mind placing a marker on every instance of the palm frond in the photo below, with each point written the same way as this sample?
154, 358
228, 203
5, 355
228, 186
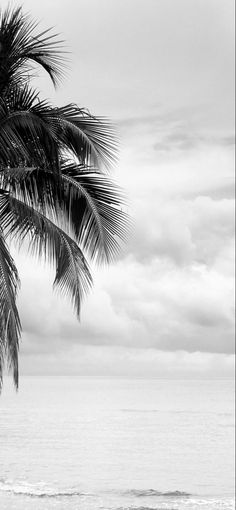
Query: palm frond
91, 139
89, 202
25, 132
94, 206
12, 147
49, 241
20, 45
44, 131
10, 327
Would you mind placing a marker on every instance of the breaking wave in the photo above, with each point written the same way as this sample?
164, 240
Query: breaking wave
37, 490
41, 491
152, 492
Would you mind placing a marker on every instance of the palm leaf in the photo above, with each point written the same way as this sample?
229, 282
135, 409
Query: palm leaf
45, 132
48, 240
91, 139
12, 147
10, 326
26, 133
90, 203
94, 206
20, 45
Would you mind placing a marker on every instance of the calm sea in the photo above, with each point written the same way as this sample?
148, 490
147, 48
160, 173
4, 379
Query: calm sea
71, 443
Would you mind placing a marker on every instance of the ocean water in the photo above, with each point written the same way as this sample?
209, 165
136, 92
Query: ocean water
73, 443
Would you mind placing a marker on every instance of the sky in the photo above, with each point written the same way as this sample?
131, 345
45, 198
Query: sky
163, 72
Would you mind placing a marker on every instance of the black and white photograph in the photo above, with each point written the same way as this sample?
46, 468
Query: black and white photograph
117, 255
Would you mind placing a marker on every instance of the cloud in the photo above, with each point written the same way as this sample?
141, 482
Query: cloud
177, 130
137, 306
182, 139
206, 169
183, 230
126, 362
170, 293
166, 307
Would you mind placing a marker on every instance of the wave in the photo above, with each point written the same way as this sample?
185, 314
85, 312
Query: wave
41, 491
36, 491
141, 508
141, 411
201, 503
153, 492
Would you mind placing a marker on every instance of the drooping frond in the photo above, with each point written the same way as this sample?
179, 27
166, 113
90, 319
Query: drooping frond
20, 45
49, 241
10, 327
90, 203
91, 139
94, 205
13, 148
26, 135
41, 133
39, 187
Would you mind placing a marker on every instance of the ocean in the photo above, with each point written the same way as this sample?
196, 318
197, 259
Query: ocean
77, 443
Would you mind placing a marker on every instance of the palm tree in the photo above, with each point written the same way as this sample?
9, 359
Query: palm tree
54, 185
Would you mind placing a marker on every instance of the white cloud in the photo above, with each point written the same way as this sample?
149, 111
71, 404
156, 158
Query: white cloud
172, 291
166, 308
129, 362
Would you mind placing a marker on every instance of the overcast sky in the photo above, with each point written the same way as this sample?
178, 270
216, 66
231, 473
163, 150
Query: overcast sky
162, 70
